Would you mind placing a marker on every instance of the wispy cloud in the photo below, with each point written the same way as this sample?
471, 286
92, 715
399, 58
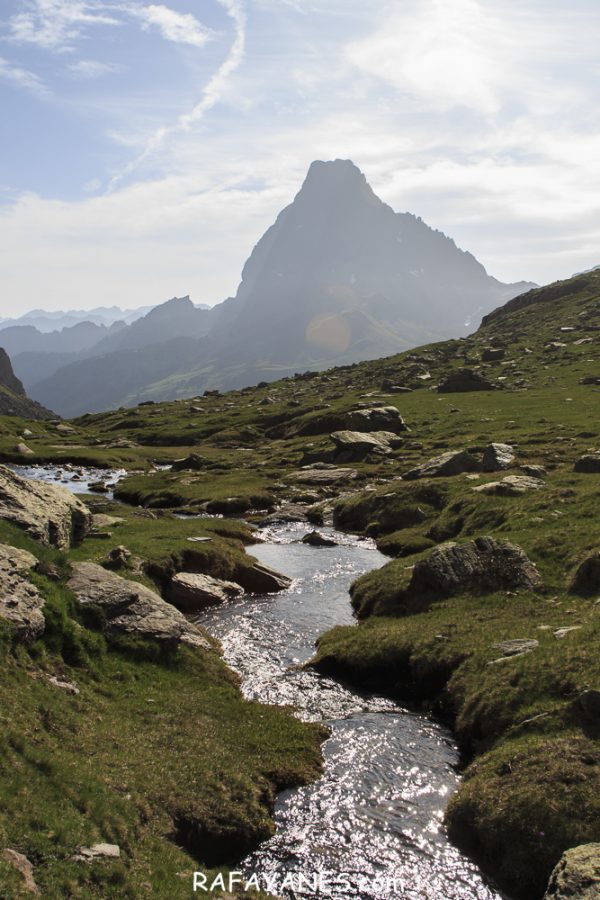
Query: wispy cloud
56, 24
22, 78
182, 28
211, 94
93, 68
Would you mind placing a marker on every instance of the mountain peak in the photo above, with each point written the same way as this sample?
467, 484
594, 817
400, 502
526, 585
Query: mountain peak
326, 179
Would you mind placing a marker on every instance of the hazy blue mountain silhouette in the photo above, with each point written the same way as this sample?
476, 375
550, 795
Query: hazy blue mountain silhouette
339, 277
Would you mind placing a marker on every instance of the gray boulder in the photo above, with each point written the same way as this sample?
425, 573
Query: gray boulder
131, 608
497, 457
577, 875
587, 705
48, 513
491, 354
315, 539
192, 592
453, 462
483, 564
589, 463
326, 476
586, 581
377, 418
21, 603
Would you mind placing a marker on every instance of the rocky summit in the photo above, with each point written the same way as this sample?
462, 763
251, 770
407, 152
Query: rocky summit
339, 277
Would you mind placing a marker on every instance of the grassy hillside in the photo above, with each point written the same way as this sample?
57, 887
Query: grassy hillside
532, 752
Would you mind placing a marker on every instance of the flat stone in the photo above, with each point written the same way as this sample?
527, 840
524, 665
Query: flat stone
97, 851
561, 633
322, 476
517, 646
510, 486
131, 608
192, 592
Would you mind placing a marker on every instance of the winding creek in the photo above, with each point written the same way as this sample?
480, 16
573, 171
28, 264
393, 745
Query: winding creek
376, 813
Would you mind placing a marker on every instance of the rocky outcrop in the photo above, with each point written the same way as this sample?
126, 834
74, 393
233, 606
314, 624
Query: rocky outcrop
589, 463
378, 418
484, 564
13, 401
192, 592
454, 462
464, 381
131, 608
48, 513
8, 379
577, 875
21, 603
24, 867
353, 446
586, 581
497, 457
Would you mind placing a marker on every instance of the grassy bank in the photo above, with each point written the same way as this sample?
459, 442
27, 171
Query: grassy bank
157, 753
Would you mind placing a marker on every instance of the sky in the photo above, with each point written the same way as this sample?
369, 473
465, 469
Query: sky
145, 147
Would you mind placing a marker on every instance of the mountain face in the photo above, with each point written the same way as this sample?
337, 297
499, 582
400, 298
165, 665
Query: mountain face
339, 277
13, 400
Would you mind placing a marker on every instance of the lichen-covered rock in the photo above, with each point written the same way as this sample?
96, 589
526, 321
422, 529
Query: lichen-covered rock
377, 418
48, 513
453, 462
482, 564
21, 603
132, 609
190, 591
577, 875
497, 457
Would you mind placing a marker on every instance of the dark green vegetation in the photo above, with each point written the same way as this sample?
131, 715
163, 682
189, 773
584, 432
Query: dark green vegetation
532, 781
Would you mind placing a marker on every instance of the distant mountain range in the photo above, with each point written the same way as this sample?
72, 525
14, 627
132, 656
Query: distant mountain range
45, 321
339, 277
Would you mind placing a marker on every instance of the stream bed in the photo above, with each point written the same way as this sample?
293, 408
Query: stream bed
371, 826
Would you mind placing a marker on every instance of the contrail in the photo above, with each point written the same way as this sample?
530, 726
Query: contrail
210, 95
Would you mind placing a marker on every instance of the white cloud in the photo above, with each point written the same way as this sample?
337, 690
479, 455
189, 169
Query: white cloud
22, 78
182, 28
55, 24
211, 93
93, 68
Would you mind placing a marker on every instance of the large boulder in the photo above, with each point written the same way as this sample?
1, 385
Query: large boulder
353, 446
577, 875
484, 564
21, 603
321, 474
464, 381
589, 463
191, 592
586, 581
453, 462
131, 608
48, 513
497, 457
377, 418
